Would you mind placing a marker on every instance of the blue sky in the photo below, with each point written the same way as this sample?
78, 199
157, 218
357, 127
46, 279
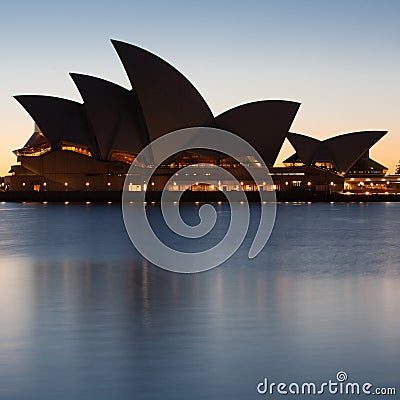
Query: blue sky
340, 59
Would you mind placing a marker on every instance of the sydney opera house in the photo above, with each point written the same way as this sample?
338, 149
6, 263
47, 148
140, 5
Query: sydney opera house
90, 145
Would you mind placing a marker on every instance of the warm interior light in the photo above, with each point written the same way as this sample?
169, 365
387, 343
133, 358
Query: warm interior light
76, 149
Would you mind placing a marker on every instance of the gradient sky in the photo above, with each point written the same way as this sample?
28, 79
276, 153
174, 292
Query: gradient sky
340, 59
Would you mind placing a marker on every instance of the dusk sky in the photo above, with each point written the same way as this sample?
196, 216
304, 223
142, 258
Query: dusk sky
340, 59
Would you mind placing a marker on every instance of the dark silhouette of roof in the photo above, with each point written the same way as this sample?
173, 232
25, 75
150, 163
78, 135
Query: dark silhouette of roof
59, 120
343, 150
348, 148
36, 139
162, 100
306, 147
294, 158
264, 124
365, 163
113, 115
168, 100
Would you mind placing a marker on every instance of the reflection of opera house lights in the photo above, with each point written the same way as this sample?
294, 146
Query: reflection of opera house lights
90, 145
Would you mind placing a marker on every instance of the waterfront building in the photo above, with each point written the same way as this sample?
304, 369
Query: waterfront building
89, 145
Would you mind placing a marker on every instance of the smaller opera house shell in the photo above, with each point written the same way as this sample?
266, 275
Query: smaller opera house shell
90, 145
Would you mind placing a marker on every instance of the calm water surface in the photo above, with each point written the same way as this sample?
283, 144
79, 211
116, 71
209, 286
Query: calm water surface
83, 316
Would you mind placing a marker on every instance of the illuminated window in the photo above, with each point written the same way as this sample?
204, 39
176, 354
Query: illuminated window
134, 188
76, 149
34, 151
324, 164
122, 156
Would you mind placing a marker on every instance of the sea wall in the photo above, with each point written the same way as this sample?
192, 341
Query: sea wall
189, 196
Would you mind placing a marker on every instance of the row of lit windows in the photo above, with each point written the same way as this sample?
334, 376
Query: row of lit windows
367, 172
324, 164
34, 151
244, 186
76, 149
122, 156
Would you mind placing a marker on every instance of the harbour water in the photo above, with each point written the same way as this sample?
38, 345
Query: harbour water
84, 316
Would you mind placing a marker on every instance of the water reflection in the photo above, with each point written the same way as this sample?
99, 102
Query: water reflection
321, 298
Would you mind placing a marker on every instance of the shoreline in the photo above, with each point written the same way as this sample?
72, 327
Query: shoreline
187, 197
